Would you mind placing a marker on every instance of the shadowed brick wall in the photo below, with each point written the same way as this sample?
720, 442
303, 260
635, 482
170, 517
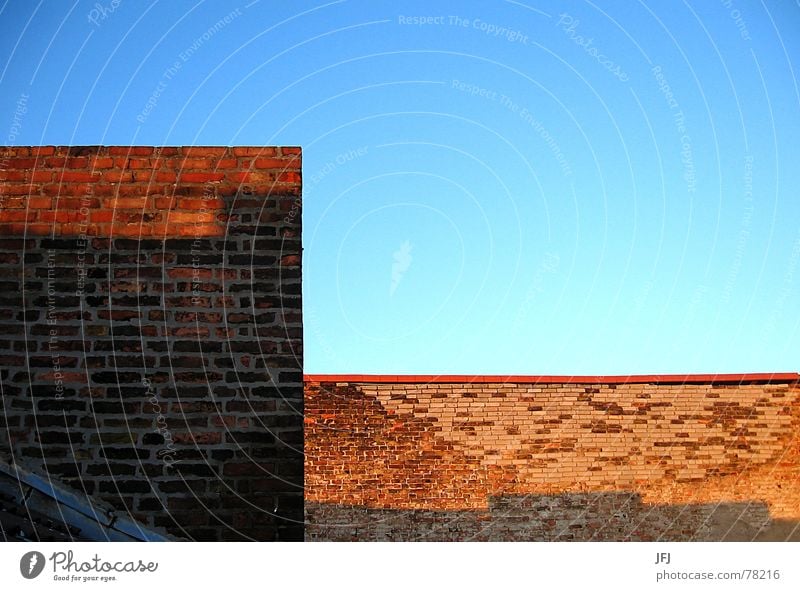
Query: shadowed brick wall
151, 331
636, 458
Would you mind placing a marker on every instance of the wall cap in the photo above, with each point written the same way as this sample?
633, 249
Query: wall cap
727, 378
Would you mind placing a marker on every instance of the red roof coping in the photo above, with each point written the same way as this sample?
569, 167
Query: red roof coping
519, 379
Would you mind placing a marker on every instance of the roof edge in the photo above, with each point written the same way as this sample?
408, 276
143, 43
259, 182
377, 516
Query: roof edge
728, 378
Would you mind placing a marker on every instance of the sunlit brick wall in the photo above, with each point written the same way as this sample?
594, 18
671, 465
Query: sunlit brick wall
151, 331
693, 457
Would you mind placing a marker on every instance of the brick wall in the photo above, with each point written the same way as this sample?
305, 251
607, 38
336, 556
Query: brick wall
151, 331
654, 457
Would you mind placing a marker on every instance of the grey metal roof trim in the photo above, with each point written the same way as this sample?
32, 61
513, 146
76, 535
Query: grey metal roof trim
63, 514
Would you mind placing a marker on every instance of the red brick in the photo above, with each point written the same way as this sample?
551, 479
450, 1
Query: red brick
202, 151
83, 228
117, 314
59, 216
165, 177
243, 468
190, 331
197, 438
251, 177
36, 229
130, 231
21, 189
53, 190
78, 203
126, 202
40, 203
20, 163
162, 230
199, 230
77, 177
66, 377
189, 273
201, 177
13, 175
139, 217
255, 151
105, 190
100, 162
208, 204
289, 177
191, 218
226, 163
41, 176
165, 202
69, 189
117, 176
130, 151
135, 189
200, 164
17, 215
277, 163
140, 163
101, 216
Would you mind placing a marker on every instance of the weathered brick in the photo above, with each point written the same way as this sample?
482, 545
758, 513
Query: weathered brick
454, 461
130, 361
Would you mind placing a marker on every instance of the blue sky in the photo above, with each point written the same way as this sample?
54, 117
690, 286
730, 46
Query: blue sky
493, 187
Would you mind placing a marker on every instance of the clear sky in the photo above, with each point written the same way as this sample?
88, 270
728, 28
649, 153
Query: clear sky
490, 187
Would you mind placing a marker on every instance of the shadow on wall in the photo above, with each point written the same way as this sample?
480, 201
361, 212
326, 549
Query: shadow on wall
176, 399
557, 461
151, 348
616, 516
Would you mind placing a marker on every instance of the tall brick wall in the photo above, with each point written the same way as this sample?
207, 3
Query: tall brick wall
670, 458
151, 331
